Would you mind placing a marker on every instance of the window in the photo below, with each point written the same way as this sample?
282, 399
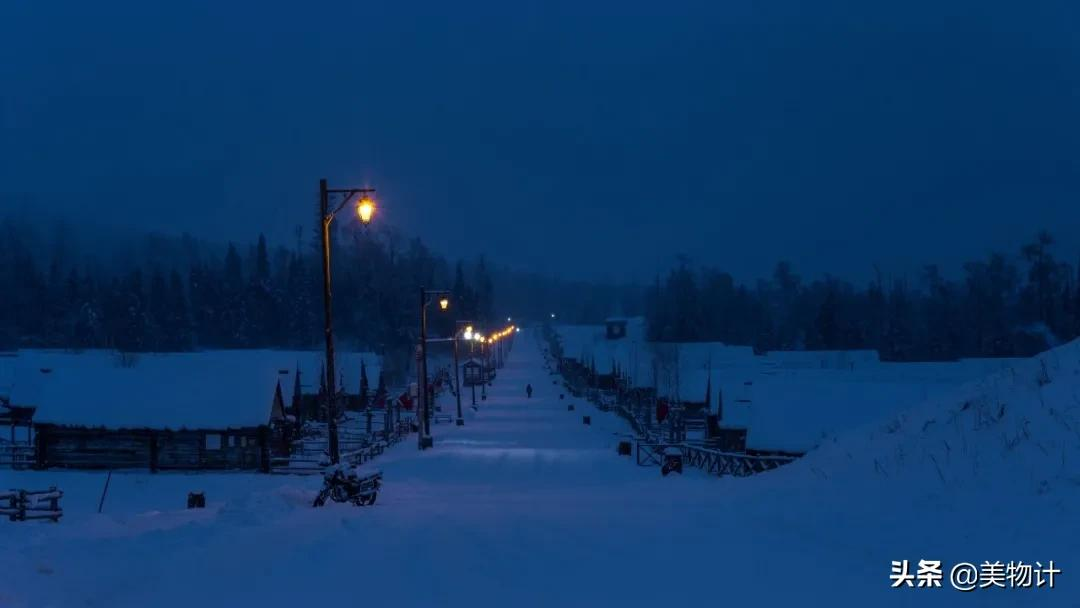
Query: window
232, 441
213, 441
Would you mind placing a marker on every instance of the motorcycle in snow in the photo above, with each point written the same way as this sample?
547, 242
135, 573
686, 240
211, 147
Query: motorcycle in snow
346, 485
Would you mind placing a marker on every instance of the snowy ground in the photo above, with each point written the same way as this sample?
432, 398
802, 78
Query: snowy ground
525, 506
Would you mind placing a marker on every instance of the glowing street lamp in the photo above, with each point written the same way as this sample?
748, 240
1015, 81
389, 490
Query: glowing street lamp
424, 439
462, 329
365, 208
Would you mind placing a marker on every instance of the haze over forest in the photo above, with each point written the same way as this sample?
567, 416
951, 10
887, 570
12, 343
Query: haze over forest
594, 141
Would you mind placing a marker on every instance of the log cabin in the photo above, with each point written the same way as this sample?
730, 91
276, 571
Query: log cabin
213, 410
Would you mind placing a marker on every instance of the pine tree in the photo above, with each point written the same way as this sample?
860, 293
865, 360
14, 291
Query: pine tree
160, 320
234, 321
297, 397
380, 390
364, 403
485, 298
179, 336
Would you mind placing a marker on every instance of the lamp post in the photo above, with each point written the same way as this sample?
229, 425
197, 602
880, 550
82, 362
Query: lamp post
463, 329
365, 209
483, 368
472, 346
425, 441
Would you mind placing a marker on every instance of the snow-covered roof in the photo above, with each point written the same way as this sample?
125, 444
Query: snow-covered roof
823, 359
210, 389
590, 343
787, 400
794, 409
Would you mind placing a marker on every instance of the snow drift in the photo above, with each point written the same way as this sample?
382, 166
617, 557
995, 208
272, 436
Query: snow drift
1017, 430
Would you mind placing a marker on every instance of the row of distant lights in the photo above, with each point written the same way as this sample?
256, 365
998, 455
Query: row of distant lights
495, 337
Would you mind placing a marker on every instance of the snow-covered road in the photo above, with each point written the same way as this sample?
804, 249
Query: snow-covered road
523, 506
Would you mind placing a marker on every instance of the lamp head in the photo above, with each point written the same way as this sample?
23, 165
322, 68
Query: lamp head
365, 208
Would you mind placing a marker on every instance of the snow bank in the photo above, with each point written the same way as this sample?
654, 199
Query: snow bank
1016, 431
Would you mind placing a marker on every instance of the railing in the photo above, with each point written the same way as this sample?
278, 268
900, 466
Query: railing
650, 446
16, 456
310, 456
713, 462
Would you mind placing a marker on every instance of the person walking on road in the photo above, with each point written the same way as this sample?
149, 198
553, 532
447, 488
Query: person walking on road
528, 391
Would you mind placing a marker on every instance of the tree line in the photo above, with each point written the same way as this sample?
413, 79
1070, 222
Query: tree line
1000, 306
159, 293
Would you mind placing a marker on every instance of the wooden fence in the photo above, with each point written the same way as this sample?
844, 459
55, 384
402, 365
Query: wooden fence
26, 505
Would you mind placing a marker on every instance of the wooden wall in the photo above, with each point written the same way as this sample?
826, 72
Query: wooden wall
94, 448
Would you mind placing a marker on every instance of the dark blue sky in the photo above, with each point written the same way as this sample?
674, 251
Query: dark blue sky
592, 139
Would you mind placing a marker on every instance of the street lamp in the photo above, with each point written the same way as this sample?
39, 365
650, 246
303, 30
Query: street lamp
425, 441
476, 337
365, 209
461, 329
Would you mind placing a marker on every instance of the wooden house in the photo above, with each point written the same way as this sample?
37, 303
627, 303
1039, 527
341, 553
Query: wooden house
176, 411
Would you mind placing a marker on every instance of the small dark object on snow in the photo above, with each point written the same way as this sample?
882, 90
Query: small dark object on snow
340, 485
586, 420
672, 462
562, 395
554, 381
570, 407
528, 391
196, 500
624, 448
